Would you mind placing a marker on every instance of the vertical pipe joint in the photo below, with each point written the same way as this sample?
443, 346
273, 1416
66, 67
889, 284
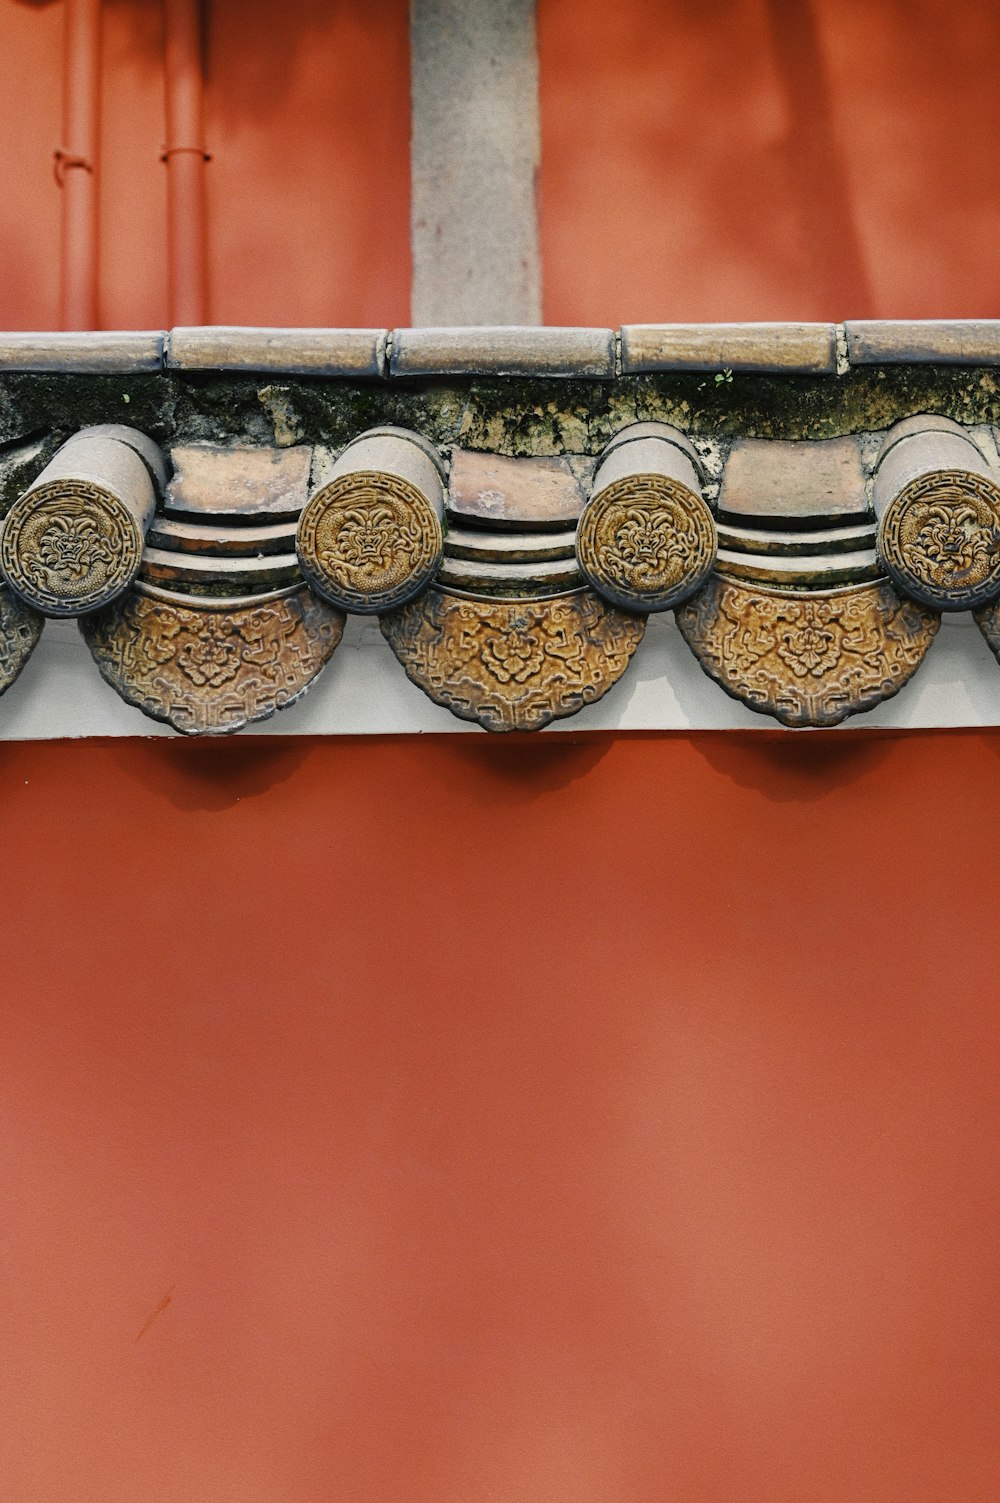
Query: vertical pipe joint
76, 165
185, 157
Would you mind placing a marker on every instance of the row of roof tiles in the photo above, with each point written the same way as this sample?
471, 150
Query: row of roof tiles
788, 348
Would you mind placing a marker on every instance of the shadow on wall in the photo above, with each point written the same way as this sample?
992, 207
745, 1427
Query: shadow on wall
731, 159
815, 163
259, 74
524, 768
213, 774
795, 766
637, 1142
216, 774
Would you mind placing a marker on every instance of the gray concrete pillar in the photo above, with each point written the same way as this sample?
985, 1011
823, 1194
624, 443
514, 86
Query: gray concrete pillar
475, 155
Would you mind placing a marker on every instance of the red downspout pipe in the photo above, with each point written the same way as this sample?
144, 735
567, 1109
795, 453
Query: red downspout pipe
76, 165
185, 157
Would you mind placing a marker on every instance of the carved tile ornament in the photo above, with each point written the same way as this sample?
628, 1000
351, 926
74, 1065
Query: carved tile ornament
941, 539
646, 542
73, 549
647, 538
513, 589
939, 514
513, 665
74, 540
371, 538
209, 667
987, 618
808, 660
20, 629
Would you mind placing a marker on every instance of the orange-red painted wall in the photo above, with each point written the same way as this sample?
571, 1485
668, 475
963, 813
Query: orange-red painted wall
308, 121
558, 1121
309, 193
732, 159
455, 1120
30, 112
769, 159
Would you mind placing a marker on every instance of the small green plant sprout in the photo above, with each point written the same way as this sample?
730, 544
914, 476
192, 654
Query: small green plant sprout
724, 376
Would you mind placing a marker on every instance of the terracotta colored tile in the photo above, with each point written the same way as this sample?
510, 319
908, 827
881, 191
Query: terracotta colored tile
809, 349
503, 351
220, 481
775, 479
177, 535
497, 489
192, 569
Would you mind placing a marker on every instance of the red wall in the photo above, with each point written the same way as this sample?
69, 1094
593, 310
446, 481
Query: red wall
309, 204
769, 159
30, 112
554, 1121
719, 159
308, 190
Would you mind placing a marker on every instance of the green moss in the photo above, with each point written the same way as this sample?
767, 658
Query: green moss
62, 403
20, 466
504, 415
524, 418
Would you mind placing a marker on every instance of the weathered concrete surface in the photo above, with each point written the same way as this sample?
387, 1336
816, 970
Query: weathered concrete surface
500, 414
806, 349
303, 352
946, 341
475, 154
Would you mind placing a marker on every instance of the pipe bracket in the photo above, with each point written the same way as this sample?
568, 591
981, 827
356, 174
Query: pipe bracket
65, 160
181, 151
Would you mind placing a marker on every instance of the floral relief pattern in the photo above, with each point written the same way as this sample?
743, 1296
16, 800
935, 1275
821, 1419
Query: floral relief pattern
210, 657
369, 541
809, 641
513, 666
210, 670
73, 546
646, 542
70, 549
516, 656
807, 660
941, 539
20, 630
